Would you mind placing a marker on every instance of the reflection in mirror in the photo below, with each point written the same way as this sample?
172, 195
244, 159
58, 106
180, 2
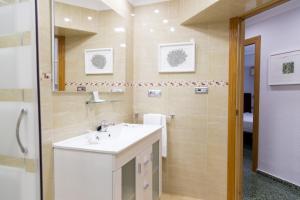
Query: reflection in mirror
89, 46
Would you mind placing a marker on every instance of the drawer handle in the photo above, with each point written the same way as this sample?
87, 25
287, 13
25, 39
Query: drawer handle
146, 186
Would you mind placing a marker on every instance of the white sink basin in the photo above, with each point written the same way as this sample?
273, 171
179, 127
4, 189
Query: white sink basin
116, 139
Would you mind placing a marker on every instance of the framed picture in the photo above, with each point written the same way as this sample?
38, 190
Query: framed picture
252, 71
177, 57
284, 68
99, 61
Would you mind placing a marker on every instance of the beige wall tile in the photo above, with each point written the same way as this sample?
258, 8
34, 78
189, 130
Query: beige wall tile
197, 143
197, 136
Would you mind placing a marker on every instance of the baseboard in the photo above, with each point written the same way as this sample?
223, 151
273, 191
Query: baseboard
292, 185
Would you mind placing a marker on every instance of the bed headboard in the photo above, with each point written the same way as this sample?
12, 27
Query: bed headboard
247, 102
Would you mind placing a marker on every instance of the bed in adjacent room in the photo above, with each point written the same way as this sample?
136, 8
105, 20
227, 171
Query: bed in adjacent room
248, 115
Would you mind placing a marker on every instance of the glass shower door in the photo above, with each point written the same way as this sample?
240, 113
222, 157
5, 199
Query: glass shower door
19, 118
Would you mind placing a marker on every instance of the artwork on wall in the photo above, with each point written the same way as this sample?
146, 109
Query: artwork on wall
284, 68
177, 57
99, 61
252, 71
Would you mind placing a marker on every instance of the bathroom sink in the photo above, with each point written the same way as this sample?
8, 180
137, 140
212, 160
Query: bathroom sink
116, 139
97, 165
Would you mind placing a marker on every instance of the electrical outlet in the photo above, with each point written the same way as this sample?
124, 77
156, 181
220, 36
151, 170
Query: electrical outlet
81, 89
201, 90
154, 93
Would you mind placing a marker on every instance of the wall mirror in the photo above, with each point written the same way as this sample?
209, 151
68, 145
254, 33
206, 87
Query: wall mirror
88, 46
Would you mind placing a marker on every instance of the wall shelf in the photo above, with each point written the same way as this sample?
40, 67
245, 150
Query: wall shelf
99, 102
67, 31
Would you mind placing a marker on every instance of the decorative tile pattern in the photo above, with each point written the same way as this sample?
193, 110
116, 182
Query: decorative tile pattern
175, 83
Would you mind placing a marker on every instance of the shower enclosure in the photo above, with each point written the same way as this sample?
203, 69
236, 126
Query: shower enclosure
20, 177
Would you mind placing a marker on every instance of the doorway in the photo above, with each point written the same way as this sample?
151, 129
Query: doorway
267, 185
251, 66
252, 49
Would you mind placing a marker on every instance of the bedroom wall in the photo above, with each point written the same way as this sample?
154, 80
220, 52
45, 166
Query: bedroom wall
279, 132
249, 62
248, 78
248, 81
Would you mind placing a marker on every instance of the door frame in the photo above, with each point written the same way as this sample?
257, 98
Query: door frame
255, 134
236, 97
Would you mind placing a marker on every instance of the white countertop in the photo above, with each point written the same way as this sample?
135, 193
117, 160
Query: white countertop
117, 139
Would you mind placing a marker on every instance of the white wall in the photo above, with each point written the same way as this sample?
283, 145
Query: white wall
248, 78
279, 139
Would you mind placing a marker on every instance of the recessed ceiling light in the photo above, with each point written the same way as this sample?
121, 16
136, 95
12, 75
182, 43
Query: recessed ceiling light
151, 30
172, 29
132, 14
90, 18
66, 19
165, 21
119, 29
123, 45
156, 11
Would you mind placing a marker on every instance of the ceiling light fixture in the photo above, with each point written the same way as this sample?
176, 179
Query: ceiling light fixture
119, 29
90, 18
172, 29
165, 21
151, 30
132, 14
156, 11
66, 19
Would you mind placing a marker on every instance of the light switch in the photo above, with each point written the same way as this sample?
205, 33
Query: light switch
117, 90
201, 90
154, 93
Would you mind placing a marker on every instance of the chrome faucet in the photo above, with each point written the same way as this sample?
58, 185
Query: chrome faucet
104, 126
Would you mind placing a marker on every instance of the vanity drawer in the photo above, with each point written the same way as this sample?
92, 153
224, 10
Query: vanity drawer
144, 175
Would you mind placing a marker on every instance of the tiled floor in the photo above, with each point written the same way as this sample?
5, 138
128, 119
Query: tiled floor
260, 187
175, 197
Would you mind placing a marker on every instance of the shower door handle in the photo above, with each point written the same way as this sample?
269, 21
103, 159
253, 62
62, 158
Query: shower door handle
21, 115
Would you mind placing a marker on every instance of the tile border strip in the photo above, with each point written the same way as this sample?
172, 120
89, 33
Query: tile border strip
175, 84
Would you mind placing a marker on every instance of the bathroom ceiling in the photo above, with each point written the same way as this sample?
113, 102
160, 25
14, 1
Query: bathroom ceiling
144, 2
222, 10
90, 4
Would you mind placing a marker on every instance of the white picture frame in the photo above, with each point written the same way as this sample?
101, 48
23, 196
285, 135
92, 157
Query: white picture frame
99, 61
284, 68
177, 57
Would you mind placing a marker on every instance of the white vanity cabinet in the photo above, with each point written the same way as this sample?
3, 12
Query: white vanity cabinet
134, 173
